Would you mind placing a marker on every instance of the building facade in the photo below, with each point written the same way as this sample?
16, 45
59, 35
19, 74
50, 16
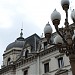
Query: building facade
33, 56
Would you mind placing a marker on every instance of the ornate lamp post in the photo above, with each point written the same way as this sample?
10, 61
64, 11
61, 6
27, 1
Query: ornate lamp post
65, 40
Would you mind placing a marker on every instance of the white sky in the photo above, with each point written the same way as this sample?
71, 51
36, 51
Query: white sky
33, 13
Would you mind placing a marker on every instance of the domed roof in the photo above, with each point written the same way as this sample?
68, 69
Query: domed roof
18, 43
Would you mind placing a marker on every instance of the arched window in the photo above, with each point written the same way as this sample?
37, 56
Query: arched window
26, 53
8, 61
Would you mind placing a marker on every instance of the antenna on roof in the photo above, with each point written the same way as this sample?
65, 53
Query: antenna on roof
22, 24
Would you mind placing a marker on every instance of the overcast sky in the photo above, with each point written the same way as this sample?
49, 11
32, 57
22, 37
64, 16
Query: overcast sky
31, 15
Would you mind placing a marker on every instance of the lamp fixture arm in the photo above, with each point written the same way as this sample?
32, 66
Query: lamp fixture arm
60, 34
66, 20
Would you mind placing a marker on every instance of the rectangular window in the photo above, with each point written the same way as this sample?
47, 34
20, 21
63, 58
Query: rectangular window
26, 72
46, 67
60, 62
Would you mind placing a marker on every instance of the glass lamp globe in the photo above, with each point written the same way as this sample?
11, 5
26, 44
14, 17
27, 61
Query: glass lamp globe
48, 31
55, 17
58, 40
73, 15
65, 4
73, 37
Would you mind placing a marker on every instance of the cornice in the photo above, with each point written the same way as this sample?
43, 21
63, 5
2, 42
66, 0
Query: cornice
22, 60
61, 71
47, 51
12, 51
7, 68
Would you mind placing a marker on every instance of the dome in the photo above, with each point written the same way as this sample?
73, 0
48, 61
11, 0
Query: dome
18, 43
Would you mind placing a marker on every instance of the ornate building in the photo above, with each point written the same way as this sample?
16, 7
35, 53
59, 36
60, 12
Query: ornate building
32, 56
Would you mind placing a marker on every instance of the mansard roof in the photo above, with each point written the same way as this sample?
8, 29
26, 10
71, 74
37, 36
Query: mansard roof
31, 41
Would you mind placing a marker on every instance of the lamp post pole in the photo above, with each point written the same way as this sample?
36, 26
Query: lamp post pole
72, 62
65, 40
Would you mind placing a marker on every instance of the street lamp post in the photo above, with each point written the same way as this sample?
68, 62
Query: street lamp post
65, 40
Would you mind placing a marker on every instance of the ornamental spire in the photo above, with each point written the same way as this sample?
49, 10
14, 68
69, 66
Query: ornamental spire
21, 34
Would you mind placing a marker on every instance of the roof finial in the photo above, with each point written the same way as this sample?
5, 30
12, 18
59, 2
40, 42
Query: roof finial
21, 34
